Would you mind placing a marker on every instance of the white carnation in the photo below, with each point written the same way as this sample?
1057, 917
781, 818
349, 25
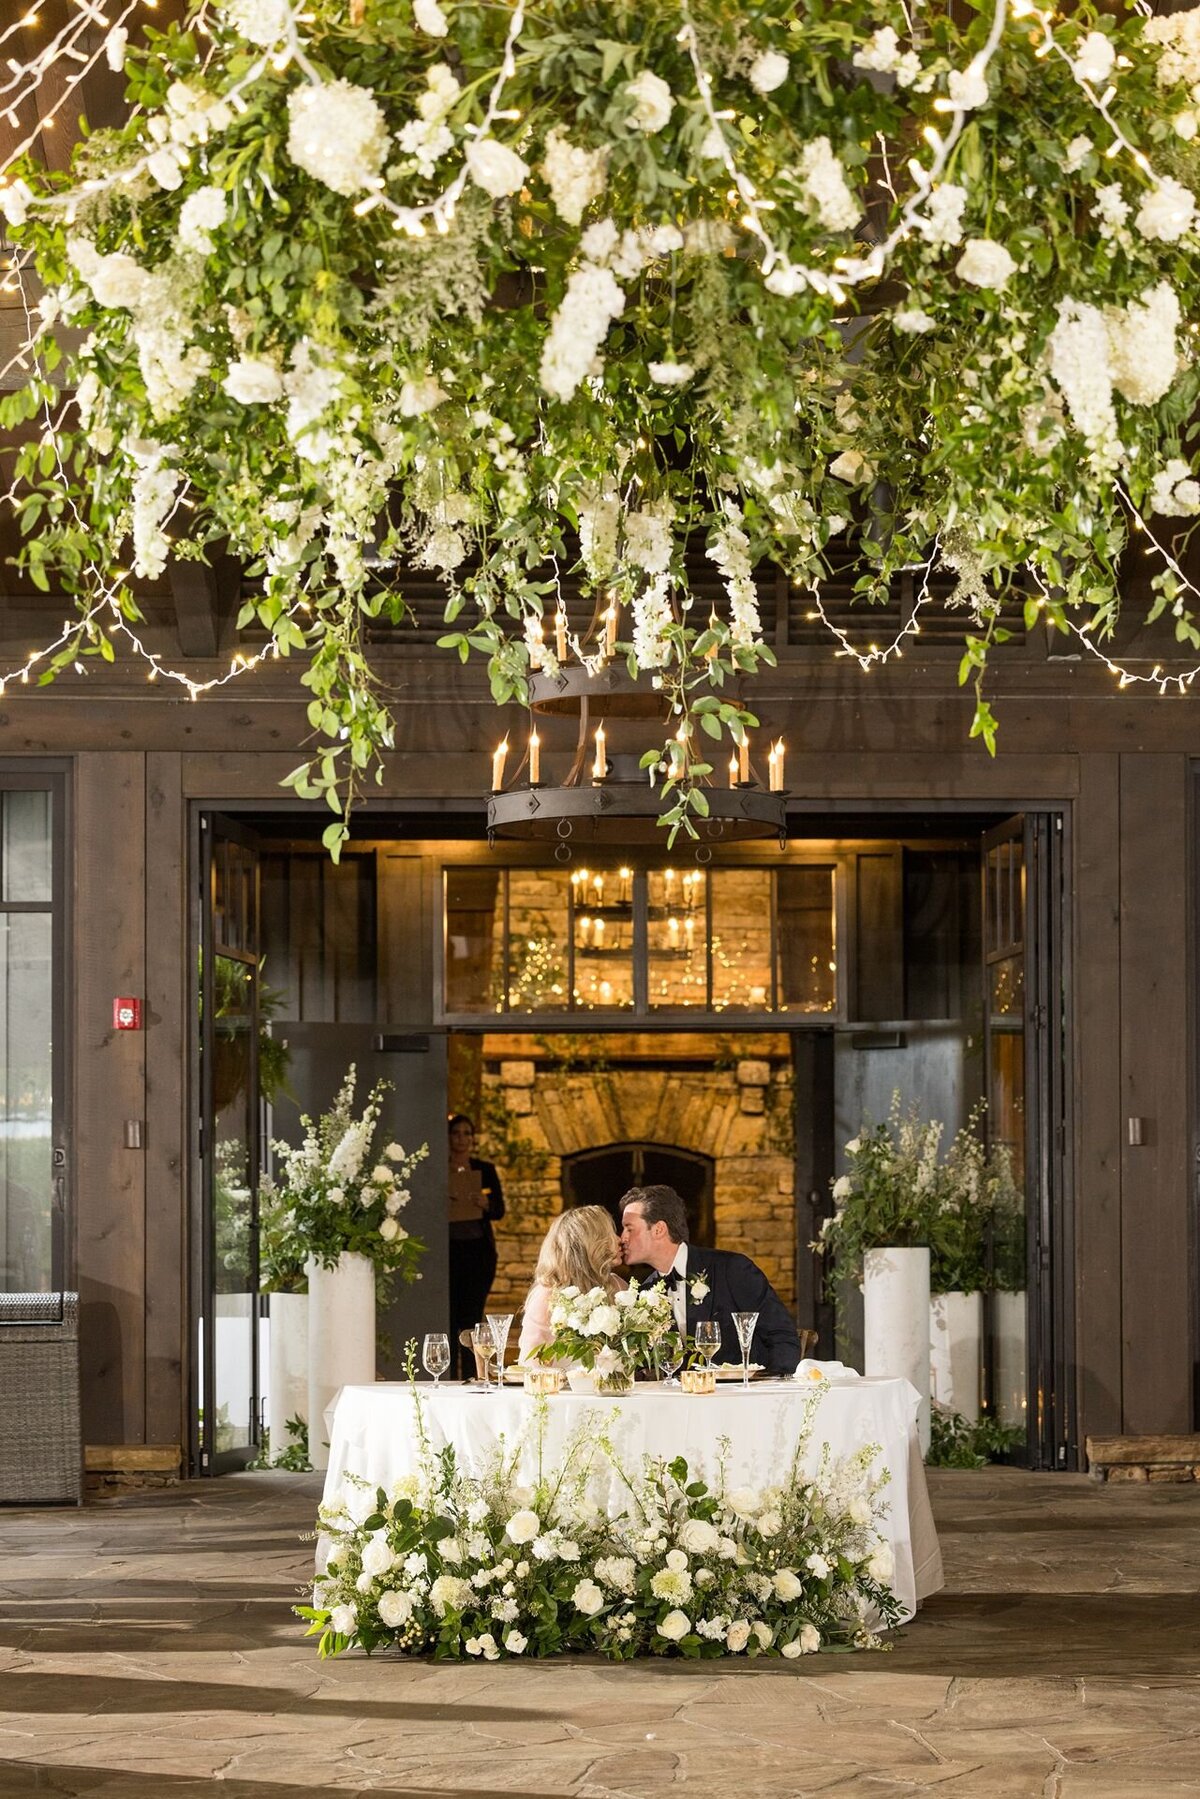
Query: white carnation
673, 1584
769, 71
495, 168
652, 101
984, 263
1144, 358
337, 134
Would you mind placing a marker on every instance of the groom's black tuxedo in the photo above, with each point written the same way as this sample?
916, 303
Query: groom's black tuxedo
736, 1284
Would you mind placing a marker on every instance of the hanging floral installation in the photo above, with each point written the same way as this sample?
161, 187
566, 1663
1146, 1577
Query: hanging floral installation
517, 295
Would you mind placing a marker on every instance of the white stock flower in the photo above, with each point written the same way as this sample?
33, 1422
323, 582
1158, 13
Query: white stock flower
495, 168
940, 221
769, 71
826, 191
587, 1598
395, 1609
592, 301
1094, 60
787, 1584
154, 489
1173, 492
737, 1636
1078, 360
1166, 212
574, 176
675, 1626
262, 22
984, 263
429, 18
699, 1537
652, 101
337, 134
343, 1619
203, 211
114, 48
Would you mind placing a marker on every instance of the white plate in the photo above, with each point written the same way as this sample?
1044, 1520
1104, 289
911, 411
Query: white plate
733, 1370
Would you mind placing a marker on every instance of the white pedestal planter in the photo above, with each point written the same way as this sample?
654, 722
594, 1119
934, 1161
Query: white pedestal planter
341, 1339
1011, 1378
956, 1352
896, 1321
287, 1379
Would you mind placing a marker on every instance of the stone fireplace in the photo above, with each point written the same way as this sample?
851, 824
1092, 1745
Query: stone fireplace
722, 1104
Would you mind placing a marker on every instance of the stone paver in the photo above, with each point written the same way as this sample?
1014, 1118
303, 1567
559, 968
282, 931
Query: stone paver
147, 1651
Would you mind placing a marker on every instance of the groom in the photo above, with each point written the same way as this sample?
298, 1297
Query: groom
706, 1283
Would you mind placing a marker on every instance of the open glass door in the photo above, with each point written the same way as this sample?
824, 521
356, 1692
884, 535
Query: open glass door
1031, 1322
229, 1017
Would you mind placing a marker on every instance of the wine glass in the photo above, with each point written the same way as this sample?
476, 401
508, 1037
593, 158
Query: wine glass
744, 1323
484, 1345
674, 1349
500, 1323
435, 1353
708, 1339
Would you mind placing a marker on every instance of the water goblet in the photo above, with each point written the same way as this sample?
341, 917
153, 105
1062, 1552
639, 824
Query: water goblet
708, 1339
673, 1352
484, 1345
500, 1323
435, 1353
744, 1323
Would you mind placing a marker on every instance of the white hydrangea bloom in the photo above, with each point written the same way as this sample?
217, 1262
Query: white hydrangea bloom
1174, 492
426, 141
652, 101
203, 212
984, 263
940, 222
1078, 360
769, 71
575, 176
1143, 355
1112, 210
968, 88
913, 321
337, 134
592, 301
1179, 37
262, 22
1166, 212
827, 193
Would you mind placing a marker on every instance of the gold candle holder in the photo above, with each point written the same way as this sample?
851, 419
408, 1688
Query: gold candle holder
698, 1380
544, 1380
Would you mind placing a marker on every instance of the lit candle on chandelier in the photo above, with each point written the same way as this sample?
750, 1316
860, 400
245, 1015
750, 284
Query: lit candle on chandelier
673, 933
744, 759
535, 758
560, 634
499, 758
775, 766
610, 630
600, 762
733, 771
599, 933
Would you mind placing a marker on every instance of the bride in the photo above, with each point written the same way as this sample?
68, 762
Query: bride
581, 1249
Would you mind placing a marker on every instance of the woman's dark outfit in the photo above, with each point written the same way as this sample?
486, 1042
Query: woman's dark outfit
473, 1267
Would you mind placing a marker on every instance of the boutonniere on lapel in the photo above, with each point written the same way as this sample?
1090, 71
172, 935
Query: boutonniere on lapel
698, 1288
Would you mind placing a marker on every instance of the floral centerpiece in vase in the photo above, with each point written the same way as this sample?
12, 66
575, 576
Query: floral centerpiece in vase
335, 1206
609, 1336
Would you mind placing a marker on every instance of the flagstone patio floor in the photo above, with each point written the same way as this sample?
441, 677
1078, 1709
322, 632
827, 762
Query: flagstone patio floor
147, 1649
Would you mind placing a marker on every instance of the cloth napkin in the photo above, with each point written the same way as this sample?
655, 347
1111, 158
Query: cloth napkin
808, 1370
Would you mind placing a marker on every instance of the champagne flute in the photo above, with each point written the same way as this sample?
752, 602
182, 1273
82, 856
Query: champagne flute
744, 1323
435, 1353
708, 1339
500, 1323
484, 1345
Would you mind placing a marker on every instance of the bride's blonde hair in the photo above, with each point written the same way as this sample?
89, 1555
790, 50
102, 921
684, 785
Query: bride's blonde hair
581, 1249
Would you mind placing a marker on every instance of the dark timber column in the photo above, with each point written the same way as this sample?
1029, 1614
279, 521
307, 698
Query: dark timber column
1155, 1176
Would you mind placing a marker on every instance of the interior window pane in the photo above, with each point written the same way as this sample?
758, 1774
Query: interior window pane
677, 937
26, 850
233, 1204
25, 1087
741, 939
602, 927
474, 940
807, 945
538, 930
1007, 980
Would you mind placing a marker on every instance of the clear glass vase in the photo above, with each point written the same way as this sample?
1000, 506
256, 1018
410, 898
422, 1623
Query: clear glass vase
619, 1381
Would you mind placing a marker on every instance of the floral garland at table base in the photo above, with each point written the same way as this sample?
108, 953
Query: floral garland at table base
454, 1564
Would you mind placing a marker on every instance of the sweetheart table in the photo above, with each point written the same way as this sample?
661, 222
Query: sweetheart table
372, 1432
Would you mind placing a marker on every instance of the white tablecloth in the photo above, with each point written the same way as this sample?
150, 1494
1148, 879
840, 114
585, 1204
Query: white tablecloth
372, 1434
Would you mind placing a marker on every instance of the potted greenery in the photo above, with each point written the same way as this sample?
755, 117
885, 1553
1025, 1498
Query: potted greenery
336, 1207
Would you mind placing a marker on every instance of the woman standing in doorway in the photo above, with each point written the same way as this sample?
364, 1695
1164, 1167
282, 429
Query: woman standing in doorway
475, 1200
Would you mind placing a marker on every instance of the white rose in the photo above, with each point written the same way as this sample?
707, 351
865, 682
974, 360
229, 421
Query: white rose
810, 1639
1095, 60
395, 1609
515, 1643
852, 466
882, 1564
744, 1502
699, 1537
14, 201
389, 1230
787, 1585
378, 1556
737, 1636
769, 71
764, 1633
495, 168
854, 1145
843, 1187
429, 18
652, 102
606, 1321
790, 1650
164, 167
1166, 212
522, 1527
728, 1549
587, 1598
343, 1620
336, 1195
859, 1511
394, 1152
770, 1524
984, 263
675, 1626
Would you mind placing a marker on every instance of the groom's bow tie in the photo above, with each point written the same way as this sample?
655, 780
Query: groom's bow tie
672, 1279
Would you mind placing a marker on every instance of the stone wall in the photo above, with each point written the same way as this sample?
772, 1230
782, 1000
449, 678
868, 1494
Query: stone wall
538, 1109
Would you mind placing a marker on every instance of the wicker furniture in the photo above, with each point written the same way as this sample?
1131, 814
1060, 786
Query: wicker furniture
41, 1456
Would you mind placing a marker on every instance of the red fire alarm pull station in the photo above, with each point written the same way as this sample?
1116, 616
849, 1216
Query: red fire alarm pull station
127, 1015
